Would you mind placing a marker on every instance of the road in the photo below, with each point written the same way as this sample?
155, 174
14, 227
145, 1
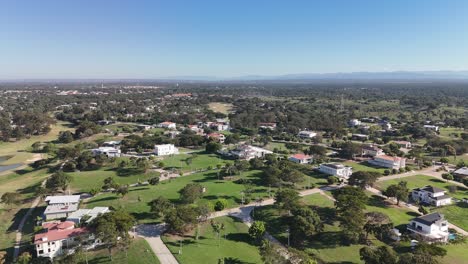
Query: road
152, 234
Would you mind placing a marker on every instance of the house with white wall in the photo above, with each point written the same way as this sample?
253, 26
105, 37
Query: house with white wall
165, 149
60, 206
431, 195
110, 152
248, 152
336, 169
431, 227
390, 162
301, 158
88, 214
306, 134
371, 150
167, 125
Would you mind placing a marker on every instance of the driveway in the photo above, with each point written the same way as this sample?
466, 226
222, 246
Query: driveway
152, 234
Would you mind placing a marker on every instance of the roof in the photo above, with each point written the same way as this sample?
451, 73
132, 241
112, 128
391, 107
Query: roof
429, 219
167, 123
462, 171
402, 142
443, 197
432, 189
55, 235
215, 135
371, 147
60, 199
57, 225
93, 213
301, 156
58, 208
334, 165
386, 157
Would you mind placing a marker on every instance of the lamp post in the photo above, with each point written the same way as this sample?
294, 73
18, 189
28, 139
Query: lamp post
287, 231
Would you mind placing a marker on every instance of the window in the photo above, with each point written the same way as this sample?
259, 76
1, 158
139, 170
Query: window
41, 251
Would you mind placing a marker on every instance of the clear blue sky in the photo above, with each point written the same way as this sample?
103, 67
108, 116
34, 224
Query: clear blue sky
149, 39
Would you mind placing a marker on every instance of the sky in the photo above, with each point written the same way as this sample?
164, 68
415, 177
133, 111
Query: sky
226, 38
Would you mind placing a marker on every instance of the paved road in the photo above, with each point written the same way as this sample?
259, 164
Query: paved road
152, 234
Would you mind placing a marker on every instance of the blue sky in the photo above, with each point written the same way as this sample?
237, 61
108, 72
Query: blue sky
151, 39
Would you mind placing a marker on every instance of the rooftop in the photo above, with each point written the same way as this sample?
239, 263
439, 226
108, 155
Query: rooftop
61, 199
58, 208
301, 156
386, 157
463, 171
429, 219
55, 235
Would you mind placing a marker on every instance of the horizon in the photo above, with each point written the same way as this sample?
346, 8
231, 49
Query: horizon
168, 40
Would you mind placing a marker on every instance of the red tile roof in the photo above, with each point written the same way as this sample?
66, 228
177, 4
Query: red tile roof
301, 156
58, 225
55, 235
386, 157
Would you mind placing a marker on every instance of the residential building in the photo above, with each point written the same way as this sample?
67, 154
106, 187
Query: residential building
360, 137
86, 215
195, 129
431, 195
218, 137
248, 152
60, 206
431, 127
354, 122
301, 158
388, 162
165, 149
431, 228
167, 125
306, 134
144, 127
371, 151
336, 169
403, 144
110, 152
270, 126
219, 126
460, 174
59, 237
112, 143
385, 125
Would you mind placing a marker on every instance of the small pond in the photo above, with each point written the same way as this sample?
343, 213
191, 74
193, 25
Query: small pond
7, 167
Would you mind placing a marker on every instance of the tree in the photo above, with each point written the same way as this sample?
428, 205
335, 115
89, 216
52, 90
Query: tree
217, 228
257, 230
399, 191
65, 137
109, 183
160, 206
256, 163
181, 219
213, 147
58, 180
220, 204
122, 190
363, 179
154, 180
10, 198
271, 253
191, 192
317, 150
349, 150
447, 176
378, 224
24, 258
303, 223
380, 255
423, 210
333, 180
287, 199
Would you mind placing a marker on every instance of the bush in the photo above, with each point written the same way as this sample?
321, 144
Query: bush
94, 191
386, 172
394, 171
220, 204
408, 168
401, 170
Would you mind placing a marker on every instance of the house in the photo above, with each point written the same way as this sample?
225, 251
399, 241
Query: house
167, 125
195, 129
60, 206
431, 195
218, 137
248, 152
403, 144
144, 127
219, 126
165, 149
431, 228
371, 150
112, 143
385, 125
86, 215
59, 237
354, 122
388, 162
336, 169
460, 174
431, 127
301, 158
270, 126
306, 134
360, 137
110, 152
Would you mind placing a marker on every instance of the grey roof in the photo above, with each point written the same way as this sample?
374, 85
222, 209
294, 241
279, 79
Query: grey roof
462, 171
443, 197
334, 165
429, 219
60, 199
55, 209
432, 189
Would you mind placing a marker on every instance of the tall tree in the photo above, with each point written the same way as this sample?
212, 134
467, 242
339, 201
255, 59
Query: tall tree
364, 179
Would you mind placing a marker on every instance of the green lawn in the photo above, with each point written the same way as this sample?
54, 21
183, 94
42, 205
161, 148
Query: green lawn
139, 253
422, 180
200, 161
457, 214
138, 197
449, 131
224, 108
236, 247
398, 214
363, 166
318, 200
456, 254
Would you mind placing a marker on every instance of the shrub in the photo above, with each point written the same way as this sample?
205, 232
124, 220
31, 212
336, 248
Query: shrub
220, 204
386, 172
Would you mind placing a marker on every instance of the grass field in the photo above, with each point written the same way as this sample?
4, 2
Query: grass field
136, 200
318, 200
138, 253
457, 214
235, 245
450, 131
200, 161
363, 166
422, 180
220, 107
399, 215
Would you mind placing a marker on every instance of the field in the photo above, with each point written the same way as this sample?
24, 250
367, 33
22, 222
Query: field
138, 253
422, 180
451, 131
200, 161
456, 214
235, 244
399, 215
138, 197
363, 166
220, 107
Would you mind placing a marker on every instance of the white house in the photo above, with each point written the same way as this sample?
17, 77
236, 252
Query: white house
88, 214
301, 158
110, 152
219, 126
248, 152
361, 137
354, 122
60, 237
168, 125
431, 195
371, 150
431, 127
403, 144
218, 137
388, 162
165, 149
144, 127
270, 126
60, 206
306, 134
336, 169
432, 227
